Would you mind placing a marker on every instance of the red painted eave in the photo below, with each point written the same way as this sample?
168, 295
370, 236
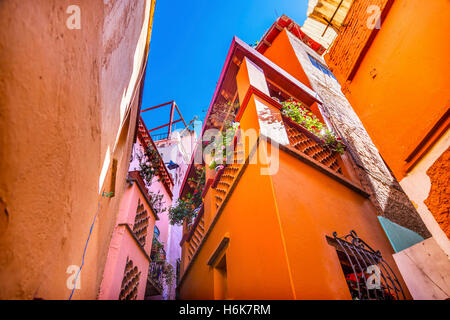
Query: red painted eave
278, 26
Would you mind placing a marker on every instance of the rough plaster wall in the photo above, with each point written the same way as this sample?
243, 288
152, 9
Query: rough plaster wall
438, 201
419, 182
385, 192
55, 127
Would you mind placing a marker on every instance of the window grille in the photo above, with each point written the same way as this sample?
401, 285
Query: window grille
368, 275
141, 223
130, 282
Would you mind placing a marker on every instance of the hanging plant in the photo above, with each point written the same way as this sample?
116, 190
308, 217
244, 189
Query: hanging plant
150, 164
185, 207
168, 273
301, 115
156, 201
219, 153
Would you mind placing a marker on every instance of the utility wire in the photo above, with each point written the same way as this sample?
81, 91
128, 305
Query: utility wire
84, 252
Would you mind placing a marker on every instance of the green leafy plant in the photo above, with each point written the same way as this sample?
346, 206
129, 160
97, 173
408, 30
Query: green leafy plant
219, 153
150, 164
303, 116
168, 273
156, 201
184, 208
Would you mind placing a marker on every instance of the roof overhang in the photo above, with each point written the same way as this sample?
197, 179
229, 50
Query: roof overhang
218, 111
278, 26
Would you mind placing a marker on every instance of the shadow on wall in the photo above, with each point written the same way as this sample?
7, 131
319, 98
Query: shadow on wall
397, 207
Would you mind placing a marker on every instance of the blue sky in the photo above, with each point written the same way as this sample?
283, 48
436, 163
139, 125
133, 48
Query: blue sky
189, 44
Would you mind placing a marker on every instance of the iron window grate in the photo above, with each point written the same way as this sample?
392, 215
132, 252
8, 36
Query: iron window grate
368, 275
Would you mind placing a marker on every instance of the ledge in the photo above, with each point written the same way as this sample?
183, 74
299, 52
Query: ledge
135, 176
135, 239
320, 167
189, 235
207, 185
218, 176
219, 212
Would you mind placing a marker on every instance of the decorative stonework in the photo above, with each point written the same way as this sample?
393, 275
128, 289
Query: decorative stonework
438, 201
141, 223
130, 282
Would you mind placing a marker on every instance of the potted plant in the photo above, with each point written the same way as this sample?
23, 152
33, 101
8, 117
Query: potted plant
184, 209
301, 115
219, 153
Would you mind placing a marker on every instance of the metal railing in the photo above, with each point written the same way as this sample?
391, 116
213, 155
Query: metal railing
371, 277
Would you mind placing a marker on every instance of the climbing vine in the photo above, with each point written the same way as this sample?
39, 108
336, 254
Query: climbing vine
219, 153
156, 201
150, 164
187, 207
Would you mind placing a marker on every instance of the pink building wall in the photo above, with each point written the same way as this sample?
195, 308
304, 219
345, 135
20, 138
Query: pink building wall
125, 246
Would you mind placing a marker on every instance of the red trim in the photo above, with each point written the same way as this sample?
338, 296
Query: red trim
436, 132
217, 177
136, 177
253, 90
165, 125
207, 185
160, 105
278, 26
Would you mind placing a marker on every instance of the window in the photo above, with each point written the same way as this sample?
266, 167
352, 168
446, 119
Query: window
368, 275
157, 232
220, 279
218, 261
320, 66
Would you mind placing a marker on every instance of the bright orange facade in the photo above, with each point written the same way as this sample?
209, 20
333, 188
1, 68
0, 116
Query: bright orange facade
265, 229
396, 77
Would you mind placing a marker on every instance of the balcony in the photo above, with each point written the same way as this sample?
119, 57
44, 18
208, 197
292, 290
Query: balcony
309, 144
155, 279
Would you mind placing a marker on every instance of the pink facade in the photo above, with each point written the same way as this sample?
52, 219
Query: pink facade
131, 243
129, 256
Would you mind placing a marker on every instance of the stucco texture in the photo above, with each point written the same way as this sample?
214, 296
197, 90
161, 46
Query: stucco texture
438, 201
61, 93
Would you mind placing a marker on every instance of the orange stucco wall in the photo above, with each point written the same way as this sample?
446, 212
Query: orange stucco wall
255, 257
281, 53
277, 227
400, 89
311, 207
62, 91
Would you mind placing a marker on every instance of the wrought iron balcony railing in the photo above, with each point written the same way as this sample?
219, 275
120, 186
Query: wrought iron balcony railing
368, 275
